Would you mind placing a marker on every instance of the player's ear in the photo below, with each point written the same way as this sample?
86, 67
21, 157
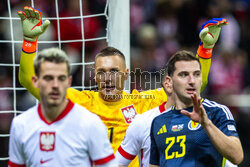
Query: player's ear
70, 81
168, 85
95, 76
35, 81
126, 74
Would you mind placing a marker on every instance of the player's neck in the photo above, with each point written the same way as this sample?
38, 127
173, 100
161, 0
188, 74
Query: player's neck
50, 113
170, 102
182, 104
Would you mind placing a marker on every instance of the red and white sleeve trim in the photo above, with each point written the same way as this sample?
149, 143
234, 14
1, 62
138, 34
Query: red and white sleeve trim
125, 154
12, 164
104, 160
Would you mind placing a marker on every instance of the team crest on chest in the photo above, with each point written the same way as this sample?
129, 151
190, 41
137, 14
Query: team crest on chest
193, 125
47, 141
129, 113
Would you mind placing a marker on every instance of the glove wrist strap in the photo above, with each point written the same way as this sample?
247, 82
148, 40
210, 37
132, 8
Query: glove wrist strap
204, 53
29, 46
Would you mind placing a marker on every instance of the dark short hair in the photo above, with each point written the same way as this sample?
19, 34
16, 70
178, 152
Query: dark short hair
54, 55
110, 51
178, 56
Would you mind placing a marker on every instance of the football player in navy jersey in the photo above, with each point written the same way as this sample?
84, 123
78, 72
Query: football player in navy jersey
197, 132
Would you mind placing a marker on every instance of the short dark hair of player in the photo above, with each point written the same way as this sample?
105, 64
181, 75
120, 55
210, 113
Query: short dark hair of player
54, 55
182, 55
110, 51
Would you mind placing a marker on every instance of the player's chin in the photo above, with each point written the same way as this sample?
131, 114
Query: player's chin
188, 97
110, 91
55, 102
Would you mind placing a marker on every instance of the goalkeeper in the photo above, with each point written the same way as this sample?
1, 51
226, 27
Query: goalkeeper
111, 72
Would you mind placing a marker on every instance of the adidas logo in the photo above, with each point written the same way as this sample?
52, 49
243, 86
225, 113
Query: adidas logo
162, 130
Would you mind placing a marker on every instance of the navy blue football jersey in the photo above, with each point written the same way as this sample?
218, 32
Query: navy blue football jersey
180, 142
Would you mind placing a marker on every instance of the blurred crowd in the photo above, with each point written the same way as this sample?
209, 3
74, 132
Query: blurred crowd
158, 29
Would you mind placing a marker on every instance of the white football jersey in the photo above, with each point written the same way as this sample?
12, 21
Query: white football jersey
137, 138
76, 137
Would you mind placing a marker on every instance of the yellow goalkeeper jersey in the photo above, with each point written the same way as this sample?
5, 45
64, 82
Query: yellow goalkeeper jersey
118, 115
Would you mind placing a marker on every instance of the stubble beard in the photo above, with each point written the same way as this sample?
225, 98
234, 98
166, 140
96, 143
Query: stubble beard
183, 97
54, 103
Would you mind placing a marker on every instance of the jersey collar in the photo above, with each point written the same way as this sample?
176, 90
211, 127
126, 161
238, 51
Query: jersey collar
162, 107
173, 107
67, 109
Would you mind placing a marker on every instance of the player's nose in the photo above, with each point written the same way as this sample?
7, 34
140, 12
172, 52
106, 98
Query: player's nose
191, 79
55, 83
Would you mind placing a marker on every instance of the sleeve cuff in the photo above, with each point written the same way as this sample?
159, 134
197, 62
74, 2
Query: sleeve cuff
125, 154
29, 46
12, 164
104, 160
204, 53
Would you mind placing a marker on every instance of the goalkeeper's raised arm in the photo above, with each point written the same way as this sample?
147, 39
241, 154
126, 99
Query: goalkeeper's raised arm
209, 34
32, 26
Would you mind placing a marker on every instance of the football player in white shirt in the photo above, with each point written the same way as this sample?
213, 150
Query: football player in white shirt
57, 132
137, 138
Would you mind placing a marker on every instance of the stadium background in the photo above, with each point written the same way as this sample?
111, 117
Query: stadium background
158, 28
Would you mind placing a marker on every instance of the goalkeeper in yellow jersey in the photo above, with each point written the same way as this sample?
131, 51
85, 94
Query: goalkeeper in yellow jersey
109, 103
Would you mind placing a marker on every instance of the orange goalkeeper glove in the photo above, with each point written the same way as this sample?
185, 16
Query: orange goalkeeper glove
32, 27
209, 34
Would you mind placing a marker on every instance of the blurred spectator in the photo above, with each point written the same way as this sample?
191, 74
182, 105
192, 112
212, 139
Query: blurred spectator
71, 29
6, 101
17, 31
167, 26
230, 35
242, 58
226, 76
153, 57
5, 107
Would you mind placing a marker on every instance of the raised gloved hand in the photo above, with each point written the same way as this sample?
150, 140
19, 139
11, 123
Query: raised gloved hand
32, 27
209, 34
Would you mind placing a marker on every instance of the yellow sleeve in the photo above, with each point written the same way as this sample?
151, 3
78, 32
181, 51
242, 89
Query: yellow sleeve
26, 72
82, 98
205, 68
159, 94
150, 99
79, 97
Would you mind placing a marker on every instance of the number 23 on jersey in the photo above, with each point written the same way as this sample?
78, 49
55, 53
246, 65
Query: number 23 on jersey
170, 141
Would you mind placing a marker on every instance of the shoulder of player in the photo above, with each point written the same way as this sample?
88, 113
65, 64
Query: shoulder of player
148, 115
84, 113
26, 116
80, 94
142, 122
138, 122
153, 91
212, 106
162, 115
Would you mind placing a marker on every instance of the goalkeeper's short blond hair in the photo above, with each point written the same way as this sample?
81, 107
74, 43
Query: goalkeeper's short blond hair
54, 55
